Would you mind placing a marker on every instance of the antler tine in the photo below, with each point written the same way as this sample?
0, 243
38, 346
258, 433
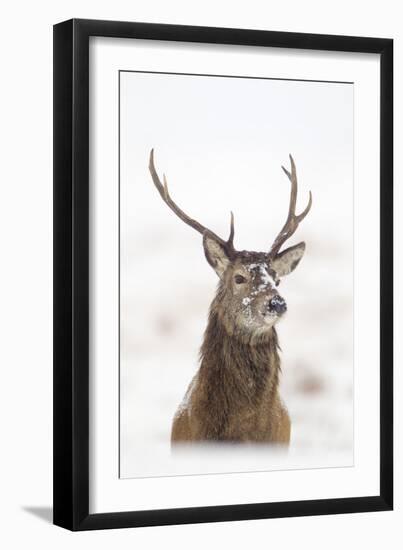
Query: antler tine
163, 191
294, 186
293, 219
232, 231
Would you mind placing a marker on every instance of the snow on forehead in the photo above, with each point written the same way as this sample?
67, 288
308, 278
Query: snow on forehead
262, 269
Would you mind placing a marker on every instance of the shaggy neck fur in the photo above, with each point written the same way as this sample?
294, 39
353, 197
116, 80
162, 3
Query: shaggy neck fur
237, 371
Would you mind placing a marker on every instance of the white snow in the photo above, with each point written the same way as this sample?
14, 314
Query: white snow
167, 285
185, 403
266, 278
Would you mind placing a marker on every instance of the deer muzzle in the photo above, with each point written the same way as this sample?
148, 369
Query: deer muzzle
277, 305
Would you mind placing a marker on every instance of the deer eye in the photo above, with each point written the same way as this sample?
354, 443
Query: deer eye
239, 279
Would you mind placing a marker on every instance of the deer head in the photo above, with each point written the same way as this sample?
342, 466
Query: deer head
247, 300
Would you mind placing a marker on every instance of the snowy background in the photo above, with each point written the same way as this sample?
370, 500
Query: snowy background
221, 143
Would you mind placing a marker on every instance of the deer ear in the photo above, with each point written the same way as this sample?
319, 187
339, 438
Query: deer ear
215, 254
287, 261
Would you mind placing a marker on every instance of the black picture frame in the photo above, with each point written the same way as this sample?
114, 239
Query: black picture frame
71, 274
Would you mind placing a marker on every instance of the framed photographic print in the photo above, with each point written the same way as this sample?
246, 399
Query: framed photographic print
223, 321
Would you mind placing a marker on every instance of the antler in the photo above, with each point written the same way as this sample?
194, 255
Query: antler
293, 220
163, 191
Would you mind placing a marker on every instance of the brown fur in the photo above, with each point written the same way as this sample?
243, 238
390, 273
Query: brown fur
234, 396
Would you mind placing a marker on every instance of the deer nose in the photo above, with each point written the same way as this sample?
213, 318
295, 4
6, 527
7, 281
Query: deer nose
277, 304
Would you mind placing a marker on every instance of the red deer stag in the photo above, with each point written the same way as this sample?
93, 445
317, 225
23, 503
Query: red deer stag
234, 396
